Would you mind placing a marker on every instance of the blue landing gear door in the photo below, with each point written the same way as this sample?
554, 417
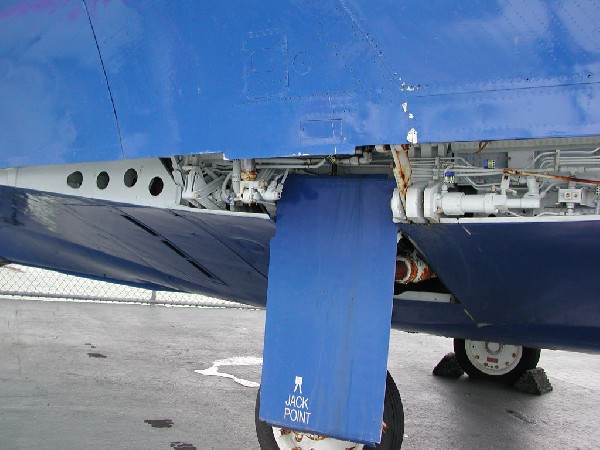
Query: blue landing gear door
329, 306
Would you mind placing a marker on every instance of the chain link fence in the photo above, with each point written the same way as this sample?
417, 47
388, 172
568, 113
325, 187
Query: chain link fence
29, 283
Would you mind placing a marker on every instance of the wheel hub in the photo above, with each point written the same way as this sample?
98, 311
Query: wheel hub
294, 440
493, 348
493, 358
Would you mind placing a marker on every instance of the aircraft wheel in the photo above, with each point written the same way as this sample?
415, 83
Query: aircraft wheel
495, 361
273, 438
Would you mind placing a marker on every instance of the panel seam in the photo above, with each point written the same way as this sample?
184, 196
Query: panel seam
112, 100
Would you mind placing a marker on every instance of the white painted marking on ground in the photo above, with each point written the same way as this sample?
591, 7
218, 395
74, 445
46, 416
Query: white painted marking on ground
235, 361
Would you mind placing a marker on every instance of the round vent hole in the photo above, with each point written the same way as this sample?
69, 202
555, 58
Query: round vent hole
130, 177
156, 186
75, 180
102, 180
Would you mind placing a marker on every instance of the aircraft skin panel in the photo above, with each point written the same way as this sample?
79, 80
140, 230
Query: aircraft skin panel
276, 78
54, 103
550, 111
147, 247
517, 273
246, 242
450, 320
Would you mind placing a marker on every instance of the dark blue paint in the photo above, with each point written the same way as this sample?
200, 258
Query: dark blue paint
329, 307
445, 319
517, 273
265, 78
223, 256
534, 284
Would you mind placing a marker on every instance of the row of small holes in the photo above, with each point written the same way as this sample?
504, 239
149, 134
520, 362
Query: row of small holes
75, 180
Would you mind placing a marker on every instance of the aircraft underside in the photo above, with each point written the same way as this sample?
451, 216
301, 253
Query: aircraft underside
472, 250
479, 225
348, 164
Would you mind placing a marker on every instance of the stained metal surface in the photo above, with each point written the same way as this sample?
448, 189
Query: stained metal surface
550, 176
329, 308
402, 170
267, 78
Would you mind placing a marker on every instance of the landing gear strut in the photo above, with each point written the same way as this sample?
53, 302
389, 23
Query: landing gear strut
272, 438
495, 361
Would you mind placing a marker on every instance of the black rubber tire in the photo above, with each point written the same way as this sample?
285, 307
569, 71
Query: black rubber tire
529, 360
393, 416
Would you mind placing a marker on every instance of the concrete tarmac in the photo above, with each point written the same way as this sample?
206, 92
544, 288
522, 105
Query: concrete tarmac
98, 376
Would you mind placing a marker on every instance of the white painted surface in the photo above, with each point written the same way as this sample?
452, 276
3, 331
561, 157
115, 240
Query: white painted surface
234, 361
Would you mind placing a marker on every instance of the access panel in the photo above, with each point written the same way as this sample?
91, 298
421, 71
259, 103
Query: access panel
329, 304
